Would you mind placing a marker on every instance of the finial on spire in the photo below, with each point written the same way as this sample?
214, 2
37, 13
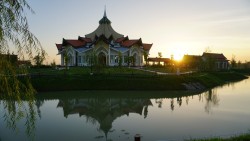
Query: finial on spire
105, 15
104, 20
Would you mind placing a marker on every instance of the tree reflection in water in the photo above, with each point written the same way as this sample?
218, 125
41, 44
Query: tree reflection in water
179, 101
18, 110
212, 100
39, 103
159, 102
172, 104
187, 100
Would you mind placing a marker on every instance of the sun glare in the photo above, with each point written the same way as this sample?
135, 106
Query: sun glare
178, 51
178, 56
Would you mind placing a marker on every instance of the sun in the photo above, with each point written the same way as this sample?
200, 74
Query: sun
178, 51
178, 56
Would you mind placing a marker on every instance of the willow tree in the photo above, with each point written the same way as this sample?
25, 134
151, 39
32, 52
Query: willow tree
15, 33
14, 84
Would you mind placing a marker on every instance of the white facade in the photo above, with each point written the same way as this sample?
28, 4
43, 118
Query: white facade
106, 45
106, 56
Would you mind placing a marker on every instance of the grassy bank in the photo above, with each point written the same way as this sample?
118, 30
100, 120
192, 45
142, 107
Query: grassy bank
243, 71
244, 137
124, 79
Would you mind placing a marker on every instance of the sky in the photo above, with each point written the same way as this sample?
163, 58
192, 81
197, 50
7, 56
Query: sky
175, 27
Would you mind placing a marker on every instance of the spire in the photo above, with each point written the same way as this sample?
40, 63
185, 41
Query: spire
105, 20
105, 15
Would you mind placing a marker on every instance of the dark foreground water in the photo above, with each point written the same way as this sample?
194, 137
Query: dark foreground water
100, 116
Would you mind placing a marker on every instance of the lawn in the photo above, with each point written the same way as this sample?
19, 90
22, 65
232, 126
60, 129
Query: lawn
87, 70
167, 69
244, 137
115, 78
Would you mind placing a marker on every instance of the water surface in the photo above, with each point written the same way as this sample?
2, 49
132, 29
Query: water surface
106, 115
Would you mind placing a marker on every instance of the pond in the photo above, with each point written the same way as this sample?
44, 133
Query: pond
119, 116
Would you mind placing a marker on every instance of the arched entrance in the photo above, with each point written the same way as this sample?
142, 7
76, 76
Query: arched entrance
134, 61
70, 60
102, 59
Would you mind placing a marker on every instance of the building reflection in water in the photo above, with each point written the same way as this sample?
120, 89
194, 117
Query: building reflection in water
104, 111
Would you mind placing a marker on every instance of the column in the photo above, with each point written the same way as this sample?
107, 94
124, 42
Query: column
109, 57
62, 59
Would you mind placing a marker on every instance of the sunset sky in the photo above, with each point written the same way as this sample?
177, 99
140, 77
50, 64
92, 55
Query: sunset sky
175, 27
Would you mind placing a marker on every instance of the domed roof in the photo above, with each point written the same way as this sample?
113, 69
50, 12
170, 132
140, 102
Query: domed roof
105, 19
105, 29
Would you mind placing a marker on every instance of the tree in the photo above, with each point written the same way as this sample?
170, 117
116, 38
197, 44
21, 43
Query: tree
145, 56
245, 64
39, 58
159, 54
66, 58
233, 62
239, 64
208, 50
92, 61
14, 30
130, 60
53, 64
120, 59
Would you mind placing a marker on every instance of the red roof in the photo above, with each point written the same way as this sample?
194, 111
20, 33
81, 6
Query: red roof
88, 40
119, 40
129, 43
147, 47
215, 56
74, 43
59, 46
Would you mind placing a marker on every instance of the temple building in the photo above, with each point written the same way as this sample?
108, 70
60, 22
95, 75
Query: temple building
109, 48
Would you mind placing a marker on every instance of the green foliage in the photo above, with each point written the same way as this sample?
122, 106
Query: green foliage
145, 56
208, 50
39, 58
93, 62
233, 62
14, 30
53, 64
239, 64
116, 78
10, 83
130, 60
14, 27
66, 58
120, 59
244, 137
14, 83
159, 54
244, 71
